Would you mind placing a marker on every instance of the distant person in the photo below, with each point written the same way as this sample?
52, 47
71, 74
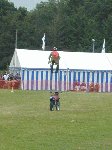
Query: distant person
17, 76
5, 76
76, 85
54, 59
83, 86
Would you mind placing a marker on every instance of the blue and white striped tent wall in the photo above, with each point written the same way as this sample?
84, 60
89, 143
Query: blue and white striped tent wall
41, 79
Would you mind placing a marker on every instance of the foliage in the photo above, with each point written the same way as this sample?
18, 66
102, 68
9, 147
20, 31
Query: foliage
84, 121
69, 25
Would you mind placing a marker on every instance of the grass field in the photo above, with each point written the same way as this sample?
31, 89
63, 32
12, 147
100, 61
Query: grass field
83, 123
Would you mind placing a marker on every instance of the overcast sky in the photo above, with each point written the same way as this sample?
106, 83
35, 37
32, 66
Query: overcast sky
29, 4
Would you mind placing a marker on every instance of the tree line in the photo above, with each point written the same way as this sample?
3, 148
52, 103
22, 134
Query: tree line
70, 25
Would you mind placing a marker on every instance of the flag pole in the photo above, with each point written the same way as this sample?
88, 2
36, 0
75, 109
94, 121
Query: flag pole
16, 40
93, 40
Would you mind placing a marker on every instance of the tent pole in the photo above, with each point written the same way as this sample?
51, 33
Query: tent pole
51, 76
59, 81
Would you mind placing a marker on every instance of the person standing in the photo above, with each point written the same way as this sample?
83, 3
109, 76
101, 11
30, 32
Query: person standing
54, 59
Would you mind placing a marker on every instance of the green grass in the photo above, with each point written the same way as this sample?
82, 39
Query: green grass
83, 123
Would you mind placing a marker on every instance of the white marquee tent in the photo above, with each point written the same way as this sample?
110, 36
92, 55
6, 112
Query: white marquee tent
23, 58
82, 66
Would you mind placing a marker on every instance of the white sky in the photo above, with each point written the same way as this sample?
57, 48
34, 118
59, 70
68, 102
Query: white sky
29, 4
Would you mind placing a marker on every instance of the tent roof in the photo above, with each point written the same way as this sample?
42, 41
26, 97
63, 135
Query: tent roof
73, 60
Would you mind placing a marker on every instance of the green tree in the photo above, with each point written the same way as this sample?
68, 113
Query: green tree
6, 32
69, 25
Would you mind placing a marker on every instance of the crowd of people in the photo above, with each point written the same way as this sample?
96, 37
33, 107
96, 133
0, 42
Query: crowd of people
8, 80
9, 76
92, 87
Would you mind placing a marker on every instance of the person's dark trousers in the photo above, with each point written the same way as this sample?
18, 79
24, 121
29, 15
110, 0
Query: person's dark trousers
51, 68
57, 68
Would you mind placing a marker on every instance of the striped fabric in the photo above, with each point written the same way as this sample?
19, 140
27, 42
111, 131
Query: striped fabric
63, 81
